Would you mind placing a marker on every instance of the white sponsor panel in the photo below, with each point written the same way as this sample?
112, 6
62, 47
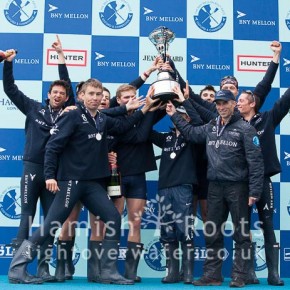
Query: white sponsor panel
10, 203
22, 16
284, 20
119, 17
77, 53
210, 19
250, 62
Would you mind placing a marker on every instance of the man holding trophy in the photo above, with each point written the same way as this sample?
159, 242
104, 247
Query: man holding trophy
177, 192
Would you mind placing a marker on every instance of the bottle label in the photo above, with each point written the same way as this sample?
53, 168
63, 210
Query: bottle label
114, 190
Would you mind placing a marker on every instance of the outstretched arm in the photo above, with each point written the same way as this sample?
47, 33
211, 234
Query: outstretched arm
264, 86
62, 70
20, 100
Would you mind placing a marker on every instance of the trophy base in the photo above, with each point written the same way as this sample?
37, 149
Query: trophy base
165, 96
163, 89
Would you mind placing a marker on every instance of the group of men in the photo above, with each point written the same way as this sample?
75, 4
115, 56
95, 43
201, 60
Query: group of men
69, 150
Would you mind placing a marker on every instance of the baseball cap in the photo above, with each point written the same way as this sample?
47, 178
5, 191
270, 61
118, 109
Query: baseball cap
224, 95
181, 109
229, 80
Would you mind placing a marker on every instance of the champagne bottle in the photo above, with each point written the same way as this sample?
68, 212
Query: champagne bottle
5, 54
114, 184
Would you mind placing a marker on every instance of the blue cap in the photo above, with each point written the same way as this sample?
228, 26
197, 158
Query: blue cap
224, 95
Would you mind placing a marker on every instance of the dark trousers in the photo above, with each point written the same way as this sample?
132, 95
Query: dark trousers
224, 198
176, 213
92, 195
265, 207
32, 189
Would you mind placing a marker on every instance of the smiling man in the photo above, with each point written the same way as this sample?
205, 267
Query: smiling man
39, 126
235, 173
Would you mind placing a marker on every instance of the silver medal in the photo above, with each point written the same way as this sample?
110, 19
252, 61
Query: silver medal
172, 155
99, 136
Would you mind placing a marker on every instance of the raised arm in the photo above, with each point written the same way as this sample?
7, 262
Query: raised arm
62, 70
264, 86
20, 100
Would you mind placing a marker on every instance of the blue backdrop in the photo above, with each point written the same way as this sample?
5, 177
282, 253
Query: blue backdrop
108, 40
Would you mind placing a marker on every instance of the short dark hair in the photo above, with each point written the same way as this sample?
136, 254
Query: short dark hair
209, 88
60, 83
107, 90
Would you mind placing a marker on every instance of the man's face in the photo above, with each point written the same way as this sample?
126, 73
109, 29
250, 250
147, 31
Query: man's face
231, 88
244, 104
125, 97
225, 108
208, 95
57, 97
92, 97
105, 102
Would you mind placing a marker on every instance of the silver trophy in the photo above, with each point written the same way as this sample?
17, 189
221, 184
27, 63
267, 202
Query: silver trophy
161, 37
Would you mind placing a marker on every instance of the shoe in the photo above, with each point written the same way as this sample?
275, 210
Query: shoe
237, 282
206, 281
133, 254
109, 268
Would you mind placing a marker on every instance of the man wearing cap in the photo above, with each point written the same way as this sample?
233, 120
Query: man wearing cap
235, 174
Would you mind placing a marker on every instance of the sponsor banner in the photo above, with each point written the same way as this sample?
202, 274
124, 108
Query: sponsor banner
115, 59
284, 253
119, 17
210, 19
153, 15
285, 64
22, 16
29, 59
285, 205
284, 157
75, 18
10, 203
11, 153
77, 55
203, 67
251, 60
284, 20
251, 23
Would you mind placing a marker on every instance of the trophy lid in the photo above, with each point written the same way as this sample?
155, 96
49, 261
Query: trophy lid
161, 35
